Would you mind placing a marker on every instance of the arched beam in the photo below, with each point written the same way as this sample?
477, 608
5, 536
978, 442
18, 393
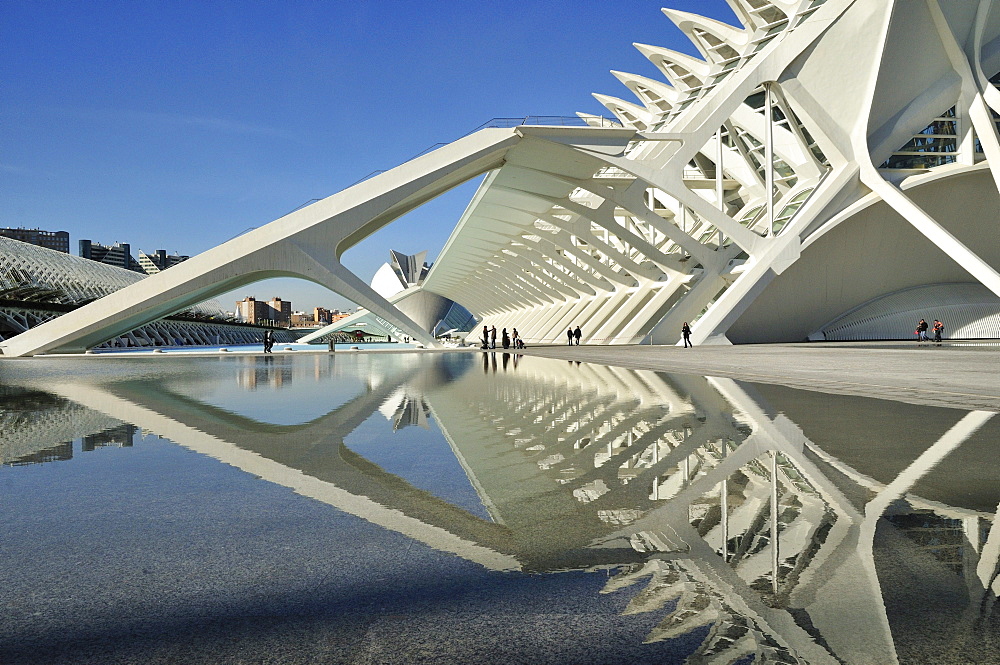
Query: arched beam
307, 243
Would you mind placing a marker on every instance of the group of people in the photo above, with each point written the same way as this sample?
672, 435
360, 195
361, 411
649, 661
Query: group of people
506, 340
921, 331
573, 335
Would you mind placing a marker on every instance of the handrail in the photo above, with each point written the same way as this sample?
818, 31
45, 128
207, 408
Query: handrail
546, 120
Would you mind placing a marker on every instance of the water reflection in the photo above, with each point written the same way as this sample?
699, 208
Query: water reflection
771, 516
37, 426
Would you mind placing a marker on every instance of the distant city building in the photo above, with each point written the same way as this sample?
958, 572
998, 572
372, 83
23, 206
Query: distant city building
281, 310
251, 310
323, 316
57, 240
159, 260
118, 254
276, 311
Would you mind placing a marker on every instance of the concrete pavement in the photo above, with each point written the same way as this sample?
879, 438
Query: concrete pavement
961, 374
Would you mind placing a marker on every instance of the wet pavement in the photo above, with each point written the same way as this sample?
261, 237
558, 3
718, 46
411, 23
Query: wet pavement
961, 374
493, 508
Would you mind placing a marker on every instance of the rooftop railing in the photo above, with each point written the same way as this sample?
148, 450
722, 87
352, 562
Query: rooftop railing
548, 121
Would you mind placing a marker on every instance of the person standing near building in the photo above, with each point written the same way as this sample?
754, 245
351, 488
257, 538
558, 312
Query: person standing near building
268, 341
922, 331
938, 329
576, 335
493, 337
505, 339
569, 336
486, 337
686, 334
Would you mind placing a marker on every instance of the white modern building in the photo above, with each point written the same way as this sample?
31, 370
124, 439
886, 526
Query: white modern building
822, 171
827, 169
400, 282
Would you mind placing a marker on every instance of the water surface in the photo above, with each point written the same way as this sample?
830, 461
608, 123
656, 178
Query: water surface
483, 507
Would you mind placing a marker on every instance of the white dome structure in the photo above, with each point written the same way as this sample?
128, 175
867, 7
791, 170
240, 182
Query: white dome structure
399, 281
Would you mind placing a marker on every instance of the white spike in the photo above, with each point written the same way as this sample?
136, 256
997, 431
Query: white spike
687, 22
663, 58
741, 13
753, 14
631, 115
656, 95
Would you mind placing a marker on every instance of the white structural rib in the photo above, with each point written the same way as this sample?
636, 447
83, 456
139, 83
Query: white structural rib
718, 42
307, 243
657, 96
683, 71
631, 115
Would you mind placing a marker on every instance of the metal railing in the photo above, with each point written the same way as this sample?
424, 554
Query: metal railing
547, 121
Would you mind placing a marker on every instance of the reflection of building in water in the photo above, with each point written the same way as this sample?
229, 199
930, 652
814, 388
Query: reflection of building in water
728, 513
115, 437
748, 525
57, 453
37, 426
404, 410
264, 372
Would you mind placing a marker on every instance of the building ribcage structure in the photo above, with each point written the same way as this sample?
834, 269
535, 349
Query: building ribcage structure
826, 171
798, 158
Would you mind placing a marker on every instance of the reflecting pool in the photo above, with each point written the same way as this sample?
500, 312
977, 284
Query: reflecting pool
483, 507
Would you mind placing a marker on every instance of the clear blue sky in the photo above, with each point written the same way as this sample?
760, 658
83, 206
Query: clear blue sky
177, 125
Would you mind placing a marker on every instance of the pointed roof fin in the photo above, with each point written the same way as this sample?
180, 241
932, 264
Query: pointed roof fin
683, 71
631, 115
658, 96
716, 40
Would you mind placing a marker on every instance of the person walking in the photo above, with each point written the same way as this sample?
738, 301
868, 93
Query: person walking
493, 337
686, 334
268, 341
938, 329
576, 335
922, 331
569, 336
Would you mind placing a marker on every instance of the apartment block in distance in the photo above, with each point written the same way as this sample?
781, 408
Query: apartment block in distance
276, 310
57, 240
159, 261
118, 254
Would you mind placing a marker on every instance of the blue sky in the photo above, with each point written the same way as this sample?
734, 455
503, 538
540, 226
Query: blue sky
178, 125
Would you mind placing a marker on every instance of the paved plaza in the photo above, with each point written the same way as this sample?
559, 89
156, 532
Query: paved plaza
959, 374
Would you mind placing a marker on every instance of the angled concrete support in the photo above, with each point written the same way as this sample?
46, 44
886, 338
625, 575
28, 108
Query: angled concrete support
307, 243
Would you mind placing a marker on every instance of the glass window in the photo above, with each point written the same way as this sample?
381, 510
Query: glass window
749, 215
790, 209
